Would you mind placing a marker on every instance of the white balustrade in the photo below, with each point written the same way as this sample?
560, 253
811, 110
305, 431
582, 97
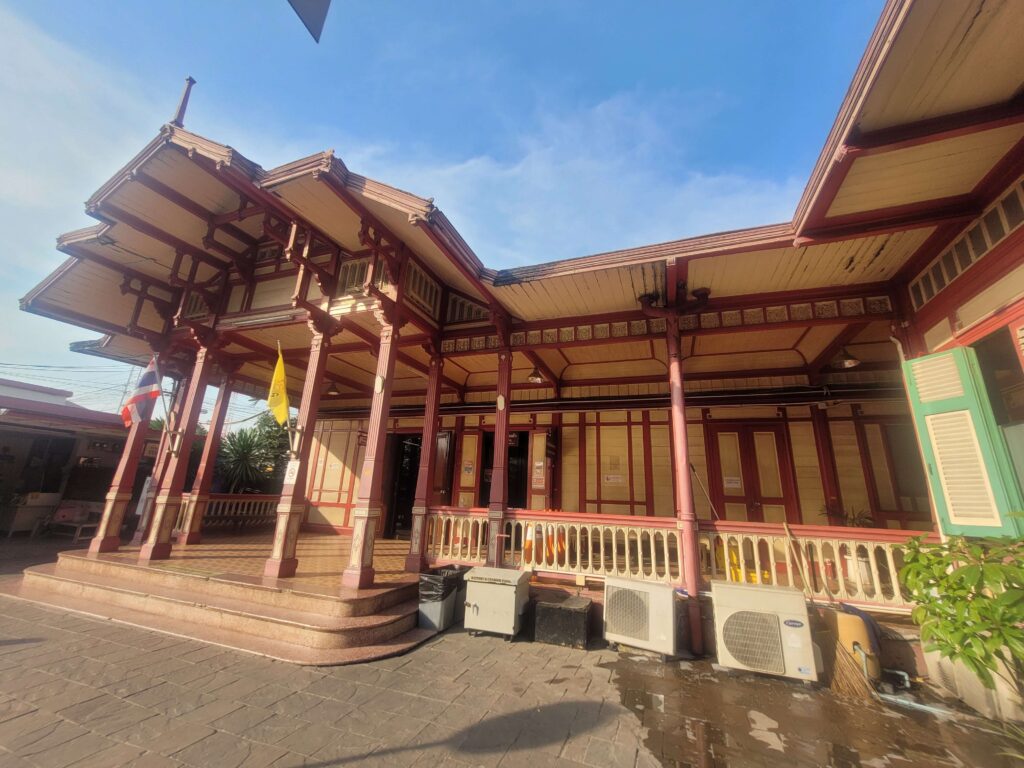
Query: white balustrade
456, 536
233, 511
850, 565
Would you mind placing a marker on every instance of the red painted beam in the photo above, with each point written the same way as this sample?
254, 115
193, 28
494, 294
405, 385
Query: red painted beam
154, 232
191, 206
939, 128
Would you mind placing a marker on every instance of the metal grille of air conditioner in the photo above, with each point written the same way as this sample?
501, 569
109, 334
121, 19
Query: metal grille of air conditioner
754, 640
937, 378
627, 613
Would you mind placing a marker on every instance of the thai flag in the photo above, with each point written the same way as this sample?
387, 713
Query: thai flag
140, 405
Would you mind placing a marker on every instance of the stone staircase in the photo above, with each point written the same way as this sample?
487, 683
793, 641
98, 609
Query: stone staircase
286, 621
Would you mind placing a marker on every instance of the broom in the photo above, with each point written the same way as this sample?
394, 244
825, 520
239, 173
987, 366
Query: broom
848, 678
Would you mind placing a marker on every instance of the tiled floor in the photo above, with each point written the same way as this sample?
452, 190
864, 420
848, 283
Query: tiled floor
322, 558
86, 693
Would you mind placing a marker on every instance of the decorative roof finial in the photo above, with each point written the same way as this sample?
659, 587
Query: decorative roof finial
179, 116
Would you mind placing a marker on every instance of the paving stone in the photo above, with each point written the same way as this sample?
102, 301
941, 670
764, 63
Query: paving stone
68, 752
106, 714
309, 739
223, 750
295, 704
162, 734
242, 719
114, 755
274, 728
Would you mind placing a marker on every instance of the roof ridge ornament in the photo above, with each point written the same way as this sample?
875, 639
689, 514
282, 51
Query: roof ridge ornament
179, 116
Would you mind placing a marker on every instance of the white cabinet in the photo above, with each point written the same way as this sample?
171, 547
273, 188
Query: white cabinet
495, 599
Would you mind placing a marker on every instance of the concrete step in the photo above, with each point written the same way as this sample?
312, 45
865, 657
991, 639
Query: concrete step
272, 646
250, 616
289, 594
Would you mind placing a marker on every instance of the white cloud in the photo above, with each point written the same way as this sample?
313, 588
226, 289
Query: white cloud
600, 178
597, 177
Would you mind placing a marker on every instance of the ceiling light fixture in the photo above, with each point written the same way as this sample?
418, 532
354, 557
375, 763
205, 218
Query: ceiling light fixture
845, 360
535, 377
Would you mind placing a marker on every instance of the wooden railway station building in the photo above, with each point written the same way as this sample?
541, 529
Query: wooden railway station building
659, 412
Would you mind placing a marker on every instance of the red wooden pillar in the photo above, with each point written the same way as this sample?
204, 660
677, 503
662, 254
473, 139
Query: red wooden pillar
826, 465
499, 467
292, 506
160, 462
367, 509
199, 499
415, 561
168, 497
108, 533
686, 518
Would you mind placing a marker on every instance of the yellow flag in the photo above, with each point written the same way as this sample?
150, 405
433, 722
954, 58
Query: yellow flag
277, 398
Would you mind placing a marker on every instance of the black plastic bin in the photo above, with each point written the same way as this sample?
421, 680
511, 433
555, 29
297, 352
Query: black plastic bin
442, 594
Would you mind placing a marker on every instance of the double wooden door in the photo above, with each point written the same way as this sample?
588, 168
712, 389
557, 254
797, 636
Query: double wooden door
751, 474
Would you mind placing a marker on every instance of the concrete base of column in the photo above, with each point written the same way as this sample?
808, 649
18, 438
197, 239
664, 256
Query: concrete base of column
280, 569
415, 563
358, 578
159, 551
104, 544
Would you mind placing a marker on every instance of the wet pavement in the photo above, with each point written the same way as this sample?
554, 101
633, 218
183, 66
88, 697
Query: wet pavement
696, 715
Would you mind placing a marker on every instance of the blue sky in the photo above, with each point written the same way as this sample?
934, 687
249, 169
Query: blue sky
545, 130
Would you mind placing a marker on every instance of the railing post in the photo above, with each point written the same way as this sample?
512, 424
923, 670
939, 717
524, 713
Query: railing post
200, 496
168, 498
282, 562
687, 519
499, 467
359, 573
415, 561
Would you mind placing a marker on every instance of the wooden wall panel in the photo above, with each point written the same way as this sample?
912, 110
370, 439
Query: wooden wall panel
336, 460
661, 470
884, 487
570, 458
538, 471
467, 470
810, 492
852, 485
699, 459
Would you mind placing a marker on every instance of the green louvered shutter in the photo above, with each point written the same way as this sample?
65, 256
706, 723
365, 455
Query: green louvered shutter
973, 484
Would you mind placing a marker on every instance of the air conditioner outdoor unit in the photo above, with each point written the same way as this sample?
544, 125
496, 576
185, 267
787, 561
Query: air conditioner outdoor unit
640, 614
763, 629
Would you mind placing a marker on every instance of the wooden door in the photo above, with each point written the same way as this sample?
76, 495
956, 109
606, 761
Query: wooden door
751, 473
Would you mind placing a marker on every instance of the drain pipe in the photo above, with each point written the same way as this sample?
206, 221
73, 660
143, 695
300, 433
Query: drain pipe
686, 519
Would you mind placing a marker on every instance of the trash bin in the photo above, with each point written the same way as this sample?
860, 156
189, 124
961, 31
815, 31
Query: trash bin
439, 593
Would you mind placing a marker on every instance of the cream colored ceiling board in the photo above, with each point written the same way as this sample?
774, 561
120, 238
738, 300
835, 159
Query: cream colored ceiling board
880, 330
924, 172
948, 57
876, 352
817, 339
590, 371
747, 341
174, 169
742, 362
484, 379
583, 293
602, 353
478, 363
95, 292
133, 249
361, 359
125, 347
849, 262
554, 359
315, 202
292, 336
